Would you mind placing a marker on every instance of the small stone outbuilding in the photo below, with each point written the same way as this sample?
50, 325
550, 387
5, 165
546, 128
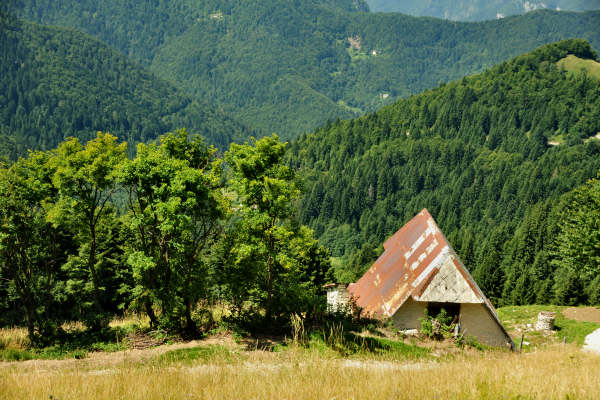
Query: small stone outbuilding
337, 297
420, 271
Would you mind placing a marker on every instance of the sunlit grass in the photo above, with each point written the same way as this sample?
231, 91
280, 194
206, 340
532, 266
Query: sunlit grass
517, 318
318, 364
137, 320
555, 373
575, 65
13, 338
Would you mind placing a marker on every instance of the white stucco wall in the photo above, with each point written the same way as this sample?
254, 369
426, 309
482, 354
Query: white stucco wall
476, 321
408, 316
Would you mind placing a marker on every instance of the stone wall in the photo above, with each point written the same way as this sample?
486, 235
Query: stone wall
337, 298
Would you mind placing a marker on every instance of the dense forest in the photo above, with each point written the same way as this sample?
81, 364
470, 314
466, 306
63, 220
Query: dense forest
87, 233
56, 83
289, 66
477, 153
94, 225
477, 10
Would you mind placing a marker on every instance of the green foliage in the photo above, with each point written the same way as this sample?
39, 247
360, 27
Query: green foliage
85, 179
354, 266
477, 10
475, 153
289, 66
175, 205
438, 326
212, 354
30, 248
577, 252
270, 259
57, 83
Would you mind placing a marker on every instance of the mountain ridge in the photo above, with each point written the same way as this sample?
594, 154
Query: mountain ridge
243, 56
478, 10
57, 82
474, 152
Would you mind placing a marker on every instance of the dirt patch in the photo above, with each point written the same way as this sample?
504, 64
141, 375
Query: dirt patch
583, 314
142, 341
355, 42
262, 342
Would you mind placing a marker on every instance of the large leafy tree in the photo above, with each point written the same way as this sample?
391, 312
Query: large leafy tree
272, 259
29, 246
176, 203
85, 177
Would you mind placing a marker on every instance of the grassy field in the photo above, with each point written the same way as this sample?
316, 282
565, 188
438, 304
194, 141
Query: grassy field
322, 364
554, 373
575, 64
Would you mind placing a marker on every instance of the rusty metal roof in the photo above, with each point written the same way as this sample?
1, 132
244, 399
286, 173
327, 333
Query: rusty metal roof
411, 259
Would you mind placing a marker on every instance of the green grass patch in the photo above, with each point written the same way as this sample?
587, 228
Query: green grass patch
354, 110
48, 353
574, 331
67, 344
335, 343
210, 353
513, 317
576, 65
556, 139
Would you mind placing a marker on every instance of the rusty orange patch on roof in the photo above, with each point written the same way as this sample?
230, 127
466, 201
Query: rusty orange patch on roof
411, 259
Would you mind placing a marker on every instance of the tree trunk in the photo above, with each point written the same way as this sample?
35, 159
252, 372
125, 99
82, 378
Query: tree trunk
189, 322
97, 322
30, 317
268, 307
28, 304
150, 312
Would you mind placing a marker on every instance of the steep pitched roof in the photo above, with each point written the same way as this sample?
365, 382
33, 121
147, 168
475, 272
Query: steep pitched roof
417, 261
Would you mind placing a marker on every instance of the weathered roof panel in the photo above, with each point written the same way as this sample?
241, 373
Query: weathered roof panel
411, 259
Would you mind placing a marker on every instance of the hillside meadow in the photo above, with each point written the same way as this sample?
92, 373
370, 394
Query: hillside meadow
321, 364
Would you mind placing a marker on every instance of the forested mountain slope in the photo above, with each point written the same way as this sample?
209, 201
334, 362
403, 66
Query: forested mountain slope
477, 10
56, 82
287, 66
139, 28
475, 153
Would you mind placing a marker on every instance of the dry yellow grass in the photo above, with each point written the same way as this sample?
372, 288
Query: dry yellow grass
14, 338
141, 321
553, 373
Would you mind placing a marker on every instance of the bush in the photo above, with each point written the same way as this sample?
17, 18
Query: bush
438, 327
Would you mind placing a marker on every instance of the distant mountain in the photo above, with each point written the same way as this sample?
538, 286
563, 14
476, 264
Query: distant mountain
288, 66
478, 10
139, 27
489, 155
56, 82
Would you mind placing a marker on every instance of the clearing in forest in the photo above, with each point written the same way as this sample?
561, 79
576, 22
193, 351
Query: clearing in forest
575, 64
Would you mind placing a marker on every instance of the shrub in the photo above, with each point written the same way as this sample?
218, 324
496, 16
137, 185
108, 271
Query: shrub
438, 327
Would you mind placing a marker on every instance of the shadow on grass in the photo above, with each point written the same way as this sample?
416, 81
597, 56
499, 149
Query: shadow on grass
74, 344
349, 343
